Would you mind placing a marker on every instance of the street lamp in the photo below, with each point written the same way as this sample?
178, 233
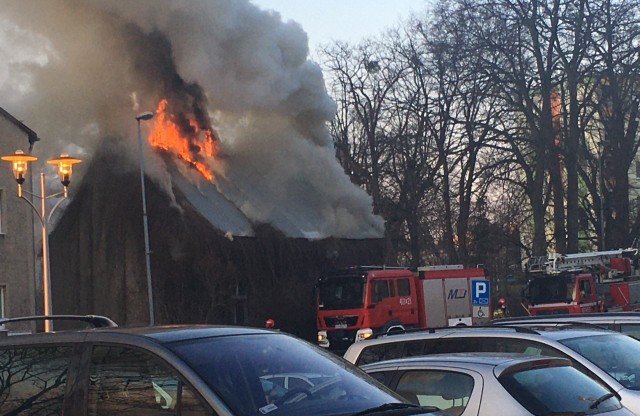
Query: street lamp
148, 115
19, 164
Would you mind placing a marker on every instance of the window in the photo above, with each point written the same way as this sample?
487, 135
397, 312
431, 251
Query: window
632, 330
3, 297
379, 290
404, 288
449, 391
34, 380
2, 211
240, 304
129, 382
390, 350
585, 288
557, 390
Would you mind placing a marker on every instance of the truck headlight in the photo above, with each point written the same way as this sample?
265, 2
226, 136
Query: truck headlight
323, 340
363, 334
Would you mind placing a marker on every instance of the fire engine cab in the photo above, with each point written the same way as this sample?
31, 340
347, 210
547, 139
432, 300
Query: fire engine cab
355, 303
584, 282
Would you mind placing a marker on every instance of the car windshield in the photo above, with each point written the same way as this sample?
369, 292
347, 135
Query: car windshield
239, 369
341, 293
617, 354
558, 390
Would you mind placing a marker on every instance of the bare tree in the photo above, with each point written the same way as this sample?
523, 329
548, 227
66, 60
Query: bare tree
476, 98
616, 40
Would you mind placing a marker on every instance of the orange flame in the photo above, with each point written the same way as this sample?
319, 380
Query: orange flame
165, 134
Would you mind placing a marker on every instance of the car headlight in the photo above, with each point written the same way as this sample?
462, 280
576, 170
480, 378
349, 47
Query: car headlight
363, 334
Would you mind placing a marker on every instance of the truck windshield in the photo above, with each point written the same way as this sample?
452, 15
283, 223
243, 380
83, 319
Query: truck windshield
341, 293
549, 289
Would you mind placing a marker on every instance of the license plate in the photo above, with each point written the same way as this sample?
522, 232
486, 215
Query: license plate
341, 325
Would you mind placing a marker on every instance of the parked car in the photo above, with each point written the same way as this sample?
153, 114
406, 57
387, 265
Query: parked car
606, 356
179, 370
626, 322
496, 384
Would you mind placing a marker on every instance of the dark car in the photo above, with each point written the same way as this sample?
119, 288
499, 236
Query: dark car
180, 370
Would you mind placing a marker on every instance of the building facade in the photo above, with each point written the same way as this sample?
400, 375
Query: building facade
19, 288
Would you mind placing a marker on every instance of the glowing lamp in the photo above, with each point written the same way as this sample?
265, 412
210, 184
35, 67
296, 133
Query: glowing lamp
65, 164
19, 164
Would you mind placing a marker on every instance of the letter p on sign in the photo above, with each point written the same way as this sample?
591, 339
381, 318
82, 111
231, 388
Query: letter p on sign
479, 292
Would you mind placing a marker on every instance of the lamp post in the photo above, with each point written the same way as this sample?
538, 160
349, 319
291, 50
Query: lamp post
19, 164
148, 115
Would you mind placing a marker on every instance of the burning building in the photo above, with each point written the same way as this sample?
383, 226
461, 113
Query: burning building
247, 202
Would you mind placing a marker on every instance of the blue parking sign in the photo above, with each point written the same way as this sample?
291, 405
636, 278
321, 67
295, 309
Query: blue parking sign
480, 292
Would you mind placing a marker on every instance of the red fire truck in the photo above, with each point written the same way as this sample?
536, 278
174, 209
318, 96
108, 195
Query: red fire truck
584, 282
354, 304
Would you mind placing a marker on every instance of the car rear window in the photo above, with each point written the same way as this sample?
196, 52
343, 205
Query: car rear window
617, 354
447, 390
555, 390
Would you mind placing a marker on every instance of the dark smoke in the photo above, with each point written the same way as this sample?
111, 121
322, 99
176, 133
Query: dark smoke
76, 71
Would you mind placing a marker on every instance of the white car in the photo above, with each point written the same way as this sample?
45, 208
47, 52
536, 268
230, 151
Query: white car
626, 322
496, 384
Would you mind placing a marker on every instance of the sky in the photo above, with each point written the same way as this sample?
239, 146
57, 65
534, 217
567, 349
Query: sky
326, 21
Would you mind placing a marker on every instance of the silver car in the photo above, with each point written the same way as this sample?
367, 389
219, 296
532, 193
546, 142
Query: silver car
495, 384
606, 356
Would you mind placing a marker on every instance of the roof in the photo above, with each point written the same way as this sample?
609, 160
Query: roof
33, 137
235, 205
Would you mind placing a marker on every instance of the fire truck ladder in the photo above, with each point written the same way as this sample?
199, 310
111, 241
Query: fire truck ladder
557, 263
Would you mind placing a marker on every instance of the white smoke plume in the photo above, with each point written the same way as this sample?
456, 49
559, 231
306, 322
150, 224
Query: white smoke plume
76, 71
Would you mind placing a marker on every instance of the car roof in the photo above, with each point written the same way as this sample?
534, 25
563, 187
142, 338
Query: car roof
577, 317
560, 333
158, 334
555, 333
